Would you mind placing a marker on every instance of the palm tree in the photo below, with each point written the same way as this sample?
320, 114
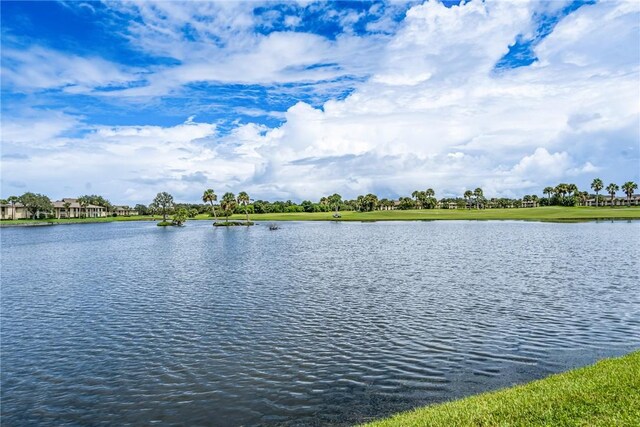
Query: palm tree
84, 202
67, 205
13, 200
430, 192
628, 188
210, 196
548, 191
572, 189
243, 199
597, 185
228, 204
416, 195
467, 195
478, 195
535, 200
584, 196
562, 190
611, 189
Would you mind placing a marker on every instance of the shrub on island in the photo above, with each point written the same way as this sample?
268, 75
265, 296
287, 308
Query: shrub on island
233, 223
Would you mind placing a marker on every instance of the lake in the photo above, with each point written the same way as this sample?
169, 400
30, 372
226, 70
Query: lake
316, 323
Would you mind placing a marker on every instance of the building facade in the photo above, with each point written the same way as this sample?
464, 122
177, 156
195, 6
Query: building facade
124, 211
70, 208
16, 211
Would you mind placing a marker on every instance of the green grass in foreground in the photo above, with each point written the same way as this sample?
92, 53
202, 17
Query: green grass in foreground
552, 213
604, 394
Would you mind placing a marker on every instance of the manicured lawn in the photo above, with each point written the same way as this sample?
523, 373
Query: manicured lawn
604, 394
553, 213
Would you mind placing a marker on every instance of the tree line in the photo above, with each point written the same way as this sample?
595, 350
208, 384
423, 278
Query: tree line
163, 204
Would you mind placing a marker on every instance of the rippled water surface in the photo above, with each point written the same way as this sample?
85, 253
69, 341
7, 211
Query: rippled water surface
312, 324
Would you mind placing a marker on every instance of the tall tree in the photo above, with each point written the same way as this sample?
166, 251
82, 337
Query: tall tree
335, 200
67, 206
561, 190
84, 201
416, 196
243, 200
467, 197
596, 186
164, 203
611, 189
628, 188
478, 195
210, 196
141, 209
13, 200
228, 204
36, 203
548, 191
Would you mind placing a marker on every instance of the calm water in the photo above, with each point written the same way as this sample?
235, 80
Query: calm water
312, 324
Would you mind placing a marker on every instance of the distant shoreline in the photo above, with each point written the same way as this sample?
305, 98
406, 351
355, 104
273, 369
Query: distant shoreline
542, 214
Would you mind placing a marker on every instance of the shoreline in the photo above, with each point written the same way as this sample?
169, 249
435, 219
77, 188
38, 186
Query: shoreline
604, 393
539, 214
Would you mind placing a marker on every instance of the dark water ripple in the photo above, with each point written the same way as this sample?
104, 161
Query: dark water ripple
314, 324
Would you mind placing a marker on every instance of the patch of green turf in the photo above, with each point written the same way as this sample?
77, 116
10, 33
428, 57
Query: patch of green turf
552, 213
604, 394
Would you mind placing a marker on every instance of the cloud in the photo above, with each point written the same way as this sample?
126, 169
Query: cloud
38, 68
427, 108
197, 177
542, 163
37, 128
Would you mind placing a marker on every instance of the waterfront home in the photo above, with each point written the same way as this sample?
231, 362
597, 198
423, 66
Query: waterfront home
447, 205
70, 208
16, 211
617, 201
124, 211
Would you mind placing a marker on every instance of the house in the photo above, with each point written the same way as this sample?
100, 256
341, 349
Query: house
16, 211
447, 205
124, 211
617, 201
70, 208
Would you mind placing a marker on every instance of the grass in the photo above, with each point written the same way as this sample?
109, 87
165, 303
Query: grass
76, 220
604, 394
552, 213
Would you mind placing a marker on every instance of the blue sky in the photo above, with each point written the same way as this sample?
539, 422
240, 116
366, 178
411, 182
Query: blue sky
299, 99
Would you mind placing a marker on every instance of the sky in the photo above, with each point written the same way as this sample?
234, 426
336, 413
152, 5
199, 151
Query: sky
297, 100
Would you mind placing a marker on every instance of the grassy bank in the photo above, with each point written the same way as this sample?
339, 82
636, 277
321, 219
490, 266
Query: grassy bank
54, 221
604, 394
552, 213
